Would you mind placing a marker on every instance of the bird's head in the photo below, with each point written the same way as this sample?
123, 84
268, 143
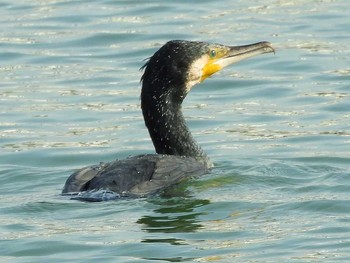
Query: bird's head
178, 65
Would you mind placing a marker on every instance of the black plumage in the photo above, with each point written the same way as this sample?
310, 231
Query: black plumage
168, 76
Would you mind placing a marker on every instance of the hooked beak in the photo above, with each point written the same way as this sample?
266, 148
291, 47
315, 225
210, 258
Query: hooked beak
238, 53
234, 54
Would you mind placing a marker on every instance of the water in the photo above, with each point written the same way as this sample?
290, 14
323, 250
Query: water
276, 127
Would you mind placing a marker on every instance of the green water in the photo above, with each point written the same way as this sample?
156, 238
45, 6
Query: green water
276, 127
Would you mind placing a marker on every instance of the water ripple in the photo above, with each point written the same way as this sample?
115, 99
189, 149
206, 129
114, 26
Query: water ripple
276, 128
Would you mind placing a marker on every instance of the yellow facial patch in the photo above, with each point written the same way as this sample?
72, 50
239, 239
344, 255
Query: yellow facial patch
211, 67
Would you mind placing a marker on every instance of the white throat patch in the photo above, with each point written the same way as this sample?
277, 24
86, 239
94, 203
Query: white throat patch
195, 72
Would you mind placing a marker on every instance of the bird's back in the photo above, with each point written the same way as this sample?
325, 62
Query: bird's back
136, 176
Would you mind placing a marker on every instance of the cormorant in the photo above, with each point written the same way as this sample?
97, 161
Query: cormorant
168, 76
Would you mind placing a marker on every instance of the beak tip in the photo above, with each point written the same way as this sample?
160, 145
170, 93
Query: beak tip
269, 47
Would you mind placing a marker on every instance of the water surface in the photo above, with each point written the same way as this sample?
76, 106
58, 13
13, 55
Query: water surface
276, 127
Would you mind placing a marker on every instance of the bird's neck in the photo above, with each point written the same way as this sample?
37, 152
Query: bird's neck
167, 127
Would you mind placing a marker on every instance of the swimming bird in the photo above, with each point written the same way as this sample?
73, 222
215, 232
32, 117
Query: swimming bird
168, 77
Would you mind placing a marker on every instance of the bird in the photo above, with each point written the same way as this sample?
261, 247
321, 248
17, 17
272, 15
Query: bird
169, 74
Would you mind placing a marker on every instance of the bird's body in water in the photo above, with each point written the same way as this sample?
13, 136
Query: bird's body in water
168, 76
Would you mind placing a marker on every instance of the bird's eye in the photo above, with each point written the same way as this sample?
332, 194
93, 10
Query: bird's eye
212, 53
